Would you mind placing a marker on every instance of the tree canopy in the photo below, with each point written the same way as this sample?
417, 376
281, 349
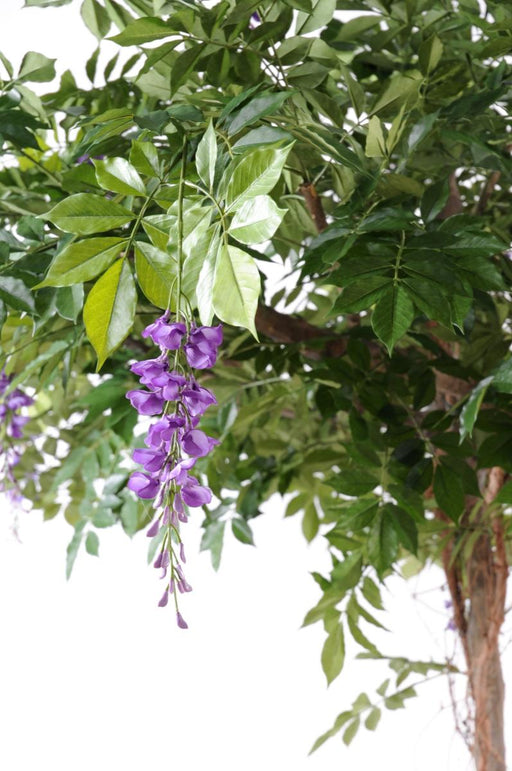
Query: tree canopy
334, 192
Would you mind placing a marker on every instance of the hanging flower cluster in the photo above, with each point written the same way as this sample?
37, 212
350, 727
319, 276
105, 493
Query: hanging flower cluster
11, 425
173, 442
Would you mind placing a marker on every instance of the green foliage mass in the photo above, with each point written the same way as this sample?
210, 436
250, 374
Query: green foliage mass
377, 385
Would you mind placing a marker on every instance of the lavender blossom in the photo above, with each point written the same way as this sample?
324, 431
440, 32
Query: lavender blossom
11, 427
173, 441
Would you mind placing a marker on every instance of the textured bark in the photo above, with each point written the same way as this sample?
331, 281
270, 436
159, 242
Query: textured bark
484, 664
478, 591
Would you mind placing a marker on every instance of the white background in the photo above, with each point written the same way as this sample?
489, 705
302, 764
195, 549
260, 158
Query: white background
94, 676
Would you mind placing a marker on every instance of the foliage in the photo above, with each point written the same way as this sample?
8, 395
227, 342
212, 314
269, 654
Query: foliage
371, 159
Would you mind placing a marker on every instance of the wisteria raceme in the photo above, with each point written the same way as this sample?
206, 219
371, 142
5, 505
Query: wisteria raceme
11, 425
173, 442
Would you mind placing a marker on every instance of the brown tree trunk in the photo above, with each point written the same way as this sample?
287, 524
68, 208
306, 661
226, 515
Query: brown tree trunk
478, 587
484, 664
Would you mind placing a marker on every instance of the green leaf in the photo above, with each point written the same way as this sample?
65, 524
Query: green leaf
256, 174
471, 408
359, 296
333, 654
310, 522
405, 527
259, 107
143, 30
206, 156
85, 214
375, 142
382, 543
212, 541
73, 547
70, 301
256, 220
449, 491
82, 261
402, 89
36, 68
36, 364
351, 730
95, 18
392, 316
15, 294
156, 273
205, 282
109, 311
502, 378
92, 543
242, 531
119, 176
184, 64
353, 481
322, 13
236, 288
373, 718
144, 157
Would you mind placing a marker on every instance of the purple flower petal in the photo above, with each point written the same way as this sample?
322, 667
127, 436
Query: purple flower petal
153, 530
146, 402
164, 599
143, 485
197, 443
151, 459
166, 335
195, 494
181, 621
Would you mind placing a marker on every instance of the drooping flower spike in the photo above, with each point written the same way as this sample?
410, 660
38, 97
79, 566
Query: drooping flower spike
173, 442
11, 425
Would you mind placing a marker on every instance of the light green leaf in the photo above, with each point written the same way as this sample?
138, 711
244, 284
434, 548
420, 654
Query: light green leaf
310, 522
85, 214
256, 220
144, 156
118, 175
256, 174
36, 68
156, 273
73, 547
236, 288
393, 315
95, 17
471, 408
375, 142
212, 540
206, 156
143, 30
82, 261
109, 311
333, 654
205, 283
322, 13
158, 227
373, 718
242, 531
92, 543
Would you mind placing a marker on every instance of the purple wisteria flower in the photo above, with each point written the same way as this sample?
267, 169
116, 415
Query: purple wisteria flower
173, 441
11, 425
